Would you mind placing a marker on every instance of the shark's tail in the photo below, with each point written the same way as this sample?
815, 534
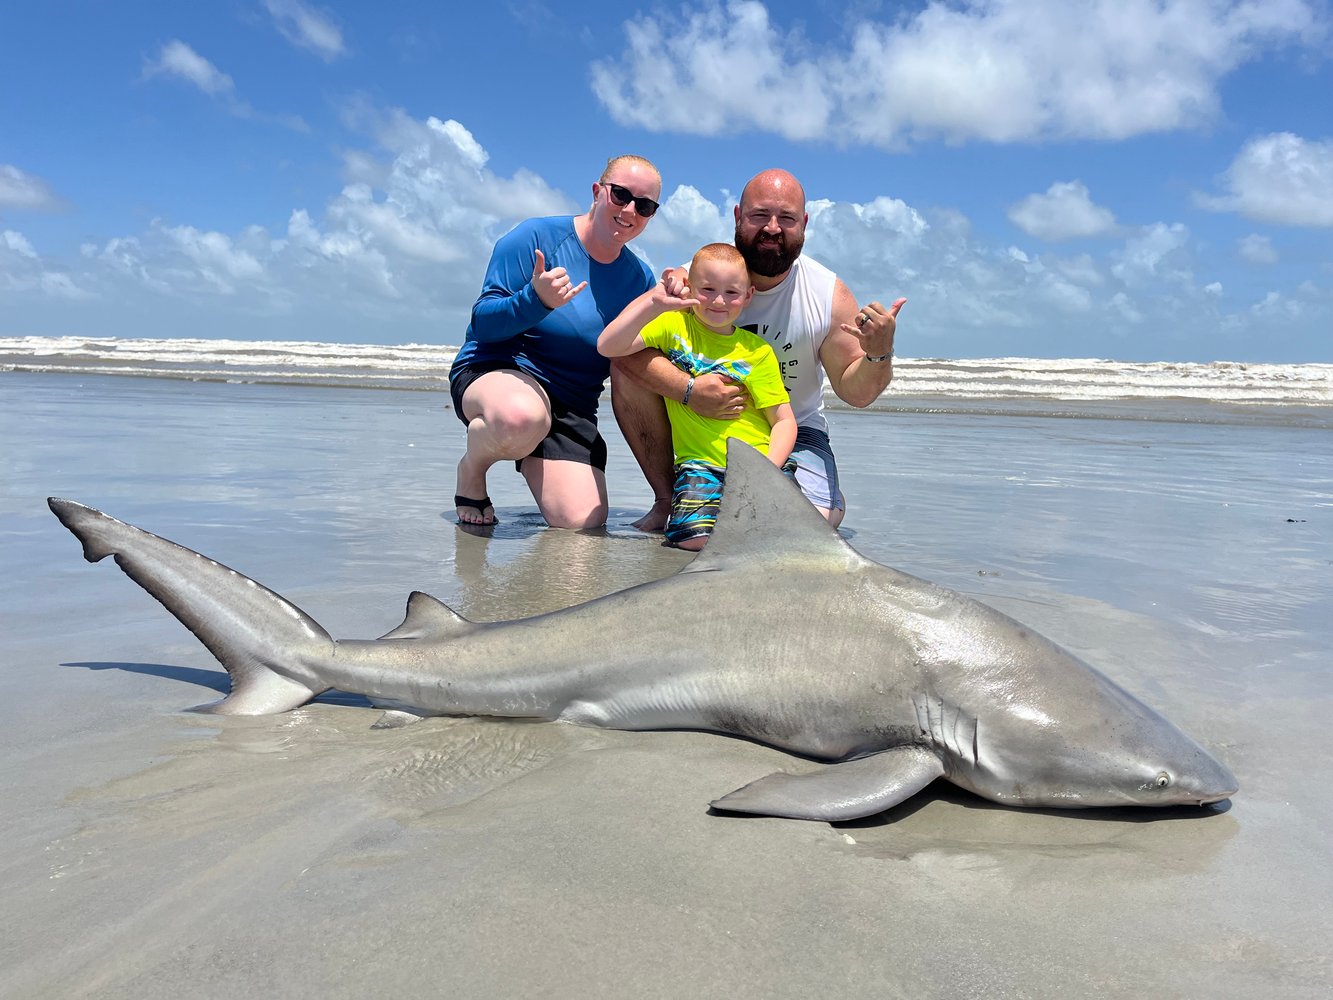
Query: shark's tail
268, 645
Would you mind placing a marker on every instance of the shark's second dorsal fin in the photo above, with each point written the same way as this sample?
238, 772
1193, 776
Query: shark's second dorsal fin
764, 514
429, 618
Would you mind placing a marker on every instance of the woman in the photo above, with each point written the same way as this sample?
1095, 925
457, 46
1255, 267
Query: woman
528, 378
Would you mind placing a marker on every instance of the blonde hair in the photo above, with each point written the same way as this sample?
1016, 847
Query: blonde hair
720, 253
616, 161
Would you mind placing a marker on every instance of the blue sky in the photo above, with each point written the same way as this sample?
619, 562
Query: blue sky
1127, 179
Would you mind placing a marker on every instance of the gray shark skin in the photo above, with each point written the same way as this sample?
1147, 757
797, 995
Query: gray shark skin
889, 680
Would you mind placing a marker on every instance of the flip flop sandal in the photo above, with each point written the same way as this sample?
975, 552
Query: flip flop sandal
478, 505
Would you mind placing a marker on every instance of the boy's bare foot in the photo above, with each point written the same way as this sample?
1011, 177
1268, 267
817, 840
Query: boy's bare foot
656, 518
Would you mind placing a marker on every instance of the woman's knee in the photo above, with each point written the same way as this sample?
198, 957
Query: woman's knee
569, 494
526, 420
512, 415
570, 512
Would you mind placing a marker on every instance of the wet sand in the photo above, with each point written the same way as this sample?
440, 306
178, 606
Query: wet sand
155, 853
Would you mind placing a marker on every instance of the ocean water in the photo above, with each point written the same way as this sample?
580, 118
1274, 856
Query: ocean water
1215, 514
1219, 391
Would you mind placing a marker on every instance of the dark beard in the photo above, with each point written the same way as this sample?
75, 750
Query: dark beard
773, 259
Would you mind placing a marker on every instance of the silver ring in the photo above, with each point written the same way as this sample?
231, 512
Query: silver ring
862, 319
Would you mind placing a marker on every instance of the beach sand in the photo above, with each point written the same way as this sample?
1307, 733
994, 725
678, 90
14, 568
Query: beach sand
152, 853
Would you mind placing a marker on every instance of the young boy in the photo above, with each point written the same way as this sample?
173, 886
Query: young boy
699, 335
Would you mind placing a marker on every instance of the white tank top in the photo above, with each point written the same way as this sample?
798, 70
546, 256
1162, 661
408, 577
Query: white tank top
794, 317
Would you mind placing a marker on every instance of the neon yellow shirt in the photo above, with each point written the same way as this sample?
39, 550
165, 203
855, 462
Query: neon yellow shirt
742, 356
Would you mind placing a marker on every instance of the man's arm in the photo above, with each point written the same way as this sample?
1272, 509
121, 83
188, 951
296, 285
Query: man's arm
846, 351
713, 395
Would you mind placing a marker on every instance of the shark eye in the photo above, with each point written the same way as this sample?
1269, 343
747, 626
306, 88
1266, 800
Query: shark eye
1162, 780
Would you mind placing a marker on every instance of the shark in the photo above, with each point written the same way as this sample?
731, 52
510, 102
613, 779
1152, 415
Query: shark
778, 632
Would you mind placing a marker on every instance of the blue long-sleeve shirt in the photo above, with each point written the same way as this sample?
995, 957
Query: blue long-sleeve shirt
557, 347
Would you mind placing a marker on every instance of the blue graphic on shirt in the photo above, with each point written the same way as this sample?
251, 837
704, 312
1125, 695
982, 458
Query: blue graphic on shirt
697, 364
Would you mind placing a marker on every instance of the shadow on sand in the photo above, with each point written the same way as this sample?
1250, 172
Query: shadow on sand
213, 680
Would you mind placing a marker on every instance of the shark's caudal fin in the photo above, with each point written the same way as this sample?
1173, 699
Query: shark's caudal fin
262, 640
765, 515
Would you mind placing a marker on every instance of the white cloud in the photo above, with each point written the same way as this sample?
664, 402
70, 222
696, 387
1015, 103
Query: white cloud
1257, 249
22, 270
176, 59
1280, 178
440, 201
307, 27
1016, 70
1278, 308
688, 219
125, 257
22, 190
877, 239
993, 70
356, 210
1064, 212
891, 215
722, 68
1124, 307
1157, 252
17, 245
1082, 270
216, 259
179, 60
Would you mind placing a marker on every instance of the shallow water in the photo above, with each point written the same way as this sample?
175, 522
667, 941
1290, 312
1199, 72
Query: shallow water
1190, 561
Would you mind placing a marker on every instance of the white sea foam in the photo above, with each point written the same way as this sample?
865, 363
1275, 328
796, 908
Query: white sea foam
1094, 379
426, 366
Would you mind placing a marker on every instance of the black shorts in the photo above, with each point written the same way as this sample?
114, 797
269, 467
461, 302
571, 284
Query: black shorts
573, 436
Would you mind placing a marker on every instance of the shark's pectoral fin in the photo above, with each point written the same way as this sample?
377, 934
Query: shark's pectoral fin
849, 790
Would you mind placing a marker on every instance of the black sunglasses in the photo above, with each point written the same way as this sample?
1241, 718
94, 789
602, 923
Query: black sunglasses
622, 196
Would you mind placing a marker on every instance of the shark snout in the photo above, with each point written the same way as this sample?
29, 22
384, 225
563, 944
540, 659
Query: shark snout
1202, 781
1221, 785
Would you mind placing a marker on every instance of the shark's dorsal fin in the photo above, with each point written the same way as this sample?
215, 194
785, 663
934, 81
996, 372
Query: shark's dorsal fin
429, 618
765, 515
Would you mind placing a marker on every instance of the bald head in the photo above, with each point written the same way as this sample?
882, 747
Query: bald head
773, 184
770, 226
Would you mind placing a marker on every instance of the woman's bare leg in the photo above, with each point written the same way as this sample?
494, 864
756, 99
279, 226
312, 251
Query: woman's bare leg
508, 414
569, 494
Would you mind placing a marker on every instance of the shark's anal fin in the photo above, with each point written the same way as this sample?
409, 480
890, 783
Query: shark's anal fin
398, 714
429, 618
844, 791
395, 718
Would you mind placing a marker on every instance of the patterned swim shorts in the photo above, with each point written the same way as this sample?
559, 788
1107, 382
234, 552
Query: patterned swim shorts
695, 498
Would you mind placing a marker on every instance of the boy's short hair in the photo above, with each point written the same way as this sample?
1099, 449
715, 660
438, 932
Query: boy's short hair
616, 161
721, 253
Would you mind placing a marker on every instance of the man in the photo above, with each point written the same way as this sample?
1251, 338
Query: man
812, 321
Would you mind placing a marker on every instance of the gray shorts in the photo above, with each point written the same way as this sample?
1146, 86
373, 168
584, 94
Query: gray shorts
817, 469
